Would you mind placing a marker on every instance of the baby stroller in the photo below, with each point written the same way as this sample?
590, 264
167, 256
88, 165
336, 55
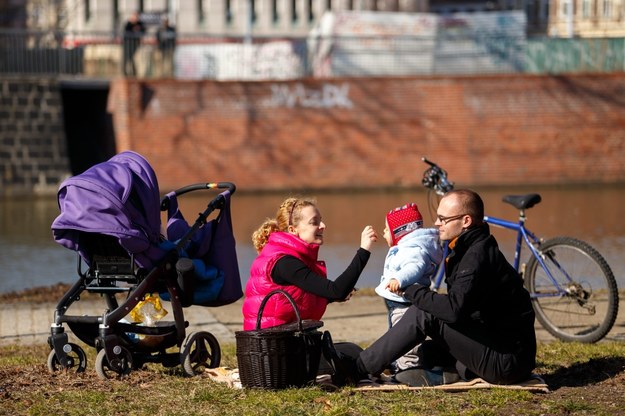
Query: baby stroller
111, 216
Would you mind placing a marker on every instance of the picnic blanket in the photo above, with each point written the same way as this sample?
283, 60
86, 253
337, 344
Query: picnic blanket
535, 383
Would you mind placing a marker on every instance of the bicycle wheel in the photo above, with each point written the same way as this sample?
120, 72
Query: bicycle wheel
583, 305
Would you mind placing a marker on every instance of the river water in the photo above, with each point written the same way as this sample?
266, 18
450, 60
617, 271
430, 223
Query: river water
29, 257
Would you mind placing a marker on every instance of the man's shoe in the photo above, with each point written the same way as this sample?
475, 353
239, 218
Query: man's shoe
419, 377
344, 367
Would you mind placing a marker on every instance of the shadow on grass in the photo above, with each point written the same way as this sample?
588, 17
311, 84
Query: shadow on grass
591, 372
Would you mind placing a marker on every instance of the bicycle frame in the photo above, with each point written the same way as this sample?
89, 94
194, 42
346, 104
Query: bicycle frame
523, 235
560, 295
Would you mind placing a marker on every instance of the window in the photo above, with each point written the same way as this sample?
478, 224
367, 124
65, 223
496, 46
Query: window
565, 8
311, 14
274, 11
116, 13
293, 11
87, 10
252, 11
228, 11
544, 10
607, 8
201, 17
586, 10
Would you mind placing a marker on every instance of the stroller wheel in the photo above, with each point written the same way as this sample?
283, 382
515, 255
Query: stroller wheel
106, 370
76, 359
200, 351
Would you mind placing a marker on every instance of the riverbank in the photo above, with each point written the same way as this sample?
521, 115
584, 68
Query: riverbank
25, 318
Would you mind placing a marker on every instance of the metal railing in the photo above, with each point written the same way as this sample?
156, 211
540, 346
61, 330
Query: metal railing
106, 55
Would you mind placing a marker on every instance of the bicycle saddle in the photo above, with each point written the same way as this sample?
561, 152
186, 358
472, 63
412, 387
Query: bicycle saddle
522, 201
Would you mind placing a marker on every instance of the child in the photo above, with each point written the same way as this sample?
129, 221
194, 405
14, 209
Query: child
413, 257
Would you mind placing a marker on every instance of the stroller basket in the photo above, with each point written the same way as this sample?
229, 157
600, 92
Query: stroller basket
113, 266
111, 216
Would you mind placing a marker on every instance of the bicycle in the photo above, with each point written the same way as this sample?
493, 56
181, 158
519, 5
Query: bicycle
572, 287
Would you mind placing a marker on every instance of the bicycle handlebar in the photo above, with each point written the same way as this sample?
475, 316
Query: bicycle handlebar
435, 178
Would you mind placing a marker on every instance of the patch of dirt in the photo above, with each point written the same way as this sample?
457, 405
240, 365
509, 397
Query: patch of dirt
25, 381
597, 386
38, 294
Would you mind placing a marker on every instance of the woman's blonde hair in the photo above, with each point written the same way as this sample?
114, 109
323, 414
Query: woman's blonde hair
289, 213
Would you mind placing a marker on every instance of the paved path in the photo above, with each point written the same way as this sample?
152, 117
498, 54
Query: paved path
361, 320
29, 323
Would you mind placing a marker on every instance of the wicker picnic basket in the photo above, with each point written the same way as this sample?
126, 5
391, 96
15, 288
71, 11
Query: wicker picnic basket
282, 356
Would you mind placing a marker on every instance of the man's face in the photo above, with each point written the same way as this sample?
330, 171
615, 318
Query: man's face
450, 219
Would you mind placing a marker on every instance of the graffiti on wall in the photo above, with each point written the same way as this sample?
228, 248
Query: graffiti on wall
298, 95
232, 61
381, 44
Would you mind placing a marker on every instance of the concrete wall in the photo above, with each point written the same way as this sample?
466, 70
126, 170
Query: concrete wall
33, 151
345, 133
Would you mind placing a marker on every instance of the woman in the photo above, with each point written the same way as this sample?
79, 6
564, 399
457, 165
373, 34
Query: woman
288, 246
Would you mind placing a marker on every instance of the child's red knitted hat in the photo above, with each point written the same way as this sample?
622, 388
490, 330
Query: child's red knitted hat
403, 220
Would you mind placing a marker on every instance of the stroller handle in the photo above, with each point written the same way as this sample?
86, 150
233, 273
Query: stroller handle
190, 188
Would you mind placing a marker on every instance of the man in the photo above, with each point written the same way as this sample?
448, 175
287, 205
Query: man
482, 327
166, 40
133, 32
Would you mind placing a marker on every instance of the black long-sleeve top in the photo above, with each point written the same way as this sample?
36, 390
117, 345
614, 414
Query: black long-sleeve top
289, 270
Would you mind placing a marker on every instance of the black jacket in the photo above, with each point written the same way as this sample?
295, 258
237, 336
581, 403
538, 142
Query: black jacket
485, 295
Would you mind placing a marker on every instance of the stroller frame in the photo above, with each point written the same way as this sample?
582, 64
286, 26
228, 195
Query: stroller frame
116, 348
112, 270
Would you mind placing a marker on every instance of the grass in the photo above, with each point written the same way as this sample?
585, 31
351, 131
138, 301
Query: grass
584, 379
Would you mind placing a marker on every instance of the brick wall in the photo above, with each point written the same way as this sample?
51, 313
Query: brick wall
344, 133
33, 150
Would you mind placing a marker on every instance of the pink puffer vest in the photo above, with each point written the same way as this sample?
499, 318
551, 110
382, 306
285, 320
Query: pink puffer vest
278, 310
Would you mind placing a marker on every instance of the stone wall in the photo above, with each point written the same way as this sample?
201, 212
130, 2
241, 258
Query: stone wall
362, 133
33, 150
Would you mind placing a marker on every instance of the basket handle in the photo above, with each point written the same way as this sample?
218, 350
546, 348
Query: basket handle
289, 298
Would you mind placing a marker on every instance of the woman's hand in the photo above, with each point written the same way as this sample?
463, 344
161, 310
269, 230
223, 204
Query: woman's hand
368, 237
354, 290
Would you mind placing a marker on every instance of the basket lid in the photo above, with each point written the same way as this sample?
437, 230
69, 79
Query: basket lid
290, 328
307, 325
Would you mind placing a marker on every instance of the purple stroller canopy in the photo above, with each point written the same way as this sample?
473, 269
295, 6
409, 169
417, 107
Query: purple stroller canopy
119, 198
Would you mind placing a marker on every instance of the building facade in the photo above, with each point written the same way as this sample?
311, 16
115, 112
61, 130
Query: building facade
262, 18
259, 18
218, 17
587, 18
